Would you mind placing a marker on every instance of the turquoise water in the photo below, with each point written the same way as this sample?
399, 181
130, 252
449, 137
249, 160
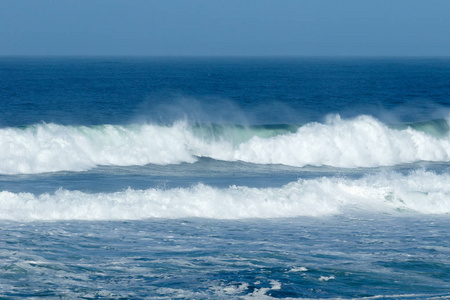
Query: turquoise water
224, 178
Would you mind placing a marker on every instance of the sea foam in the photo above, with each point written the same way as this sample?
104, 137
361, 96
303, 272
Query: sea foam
360, 142
419, 192
51, 147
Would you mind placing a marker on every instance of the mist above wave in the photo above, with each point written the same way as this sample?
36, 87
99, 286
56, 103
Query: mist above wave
360, 142
418, 192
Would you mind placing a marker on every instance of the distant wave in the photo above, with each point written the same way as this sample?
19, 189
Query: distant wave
360, 142
418, 192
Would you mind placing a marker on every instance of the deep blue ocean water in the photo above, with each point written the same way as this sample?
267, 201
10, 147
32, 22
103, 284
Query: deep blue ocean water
224, 178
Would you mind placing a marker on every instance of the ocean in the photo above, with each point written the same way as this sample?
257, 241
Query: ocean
224, 178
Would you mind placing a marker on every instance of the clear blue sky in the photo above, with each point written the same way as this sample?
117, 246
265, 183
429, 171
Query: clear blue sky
225, 27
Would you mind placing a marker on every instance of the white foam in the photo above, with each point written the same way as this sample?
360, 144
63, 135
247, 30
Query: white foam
232, 290
50, 147
360, 142
298, 269
326, 278
419, 192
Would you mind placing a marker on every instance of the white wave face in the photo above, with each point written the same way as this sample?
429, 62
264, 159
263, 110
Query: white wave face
419, 192
360, 142
50, 147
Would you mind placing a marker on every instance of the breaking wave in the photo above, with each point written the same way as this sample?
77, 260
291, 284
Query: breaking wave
360, 142
418, 192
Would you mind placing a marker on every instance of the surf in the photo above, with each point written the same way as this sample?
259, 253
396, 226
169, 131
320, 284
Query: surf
419, 192
344, 143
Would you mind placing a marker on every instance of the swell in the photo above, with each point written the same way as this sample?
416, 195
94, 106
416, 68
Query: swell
419, 192
360, 142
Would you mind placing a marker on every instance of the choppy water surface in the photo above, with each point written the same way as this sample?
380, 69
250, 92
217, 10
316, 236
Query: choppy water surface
224, 178
400, 256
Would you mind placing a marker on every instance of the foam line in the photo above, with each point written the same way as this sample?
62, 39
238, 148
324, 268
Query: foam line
360, 142
420, 192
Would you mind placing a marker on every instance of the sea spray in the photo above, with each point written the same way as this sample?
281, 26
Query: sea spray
360, 142
199, 223
51, 147
418, 192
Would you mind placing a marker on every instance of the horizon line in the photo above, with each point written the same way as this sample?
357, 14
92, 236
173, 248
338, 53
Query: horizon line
213, 56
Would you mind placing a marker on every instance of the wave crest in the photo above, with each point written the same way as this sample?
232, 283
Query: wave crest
419, 192
360, 142
51, 147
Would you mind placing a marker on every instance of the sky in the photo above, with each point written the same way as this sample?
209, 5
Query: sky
225, 27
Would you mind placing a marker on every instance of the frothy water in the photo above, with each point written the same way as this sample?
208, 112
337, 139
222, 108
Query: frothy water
360, 142
420, 192
152, 178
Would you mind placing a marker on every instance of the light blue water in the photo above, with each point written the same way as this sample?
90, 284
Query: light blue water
224, 178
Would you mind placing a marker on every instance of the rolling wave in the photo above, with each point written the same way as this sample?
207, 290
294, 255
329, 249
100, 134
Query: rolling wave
360, 142
419, 192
